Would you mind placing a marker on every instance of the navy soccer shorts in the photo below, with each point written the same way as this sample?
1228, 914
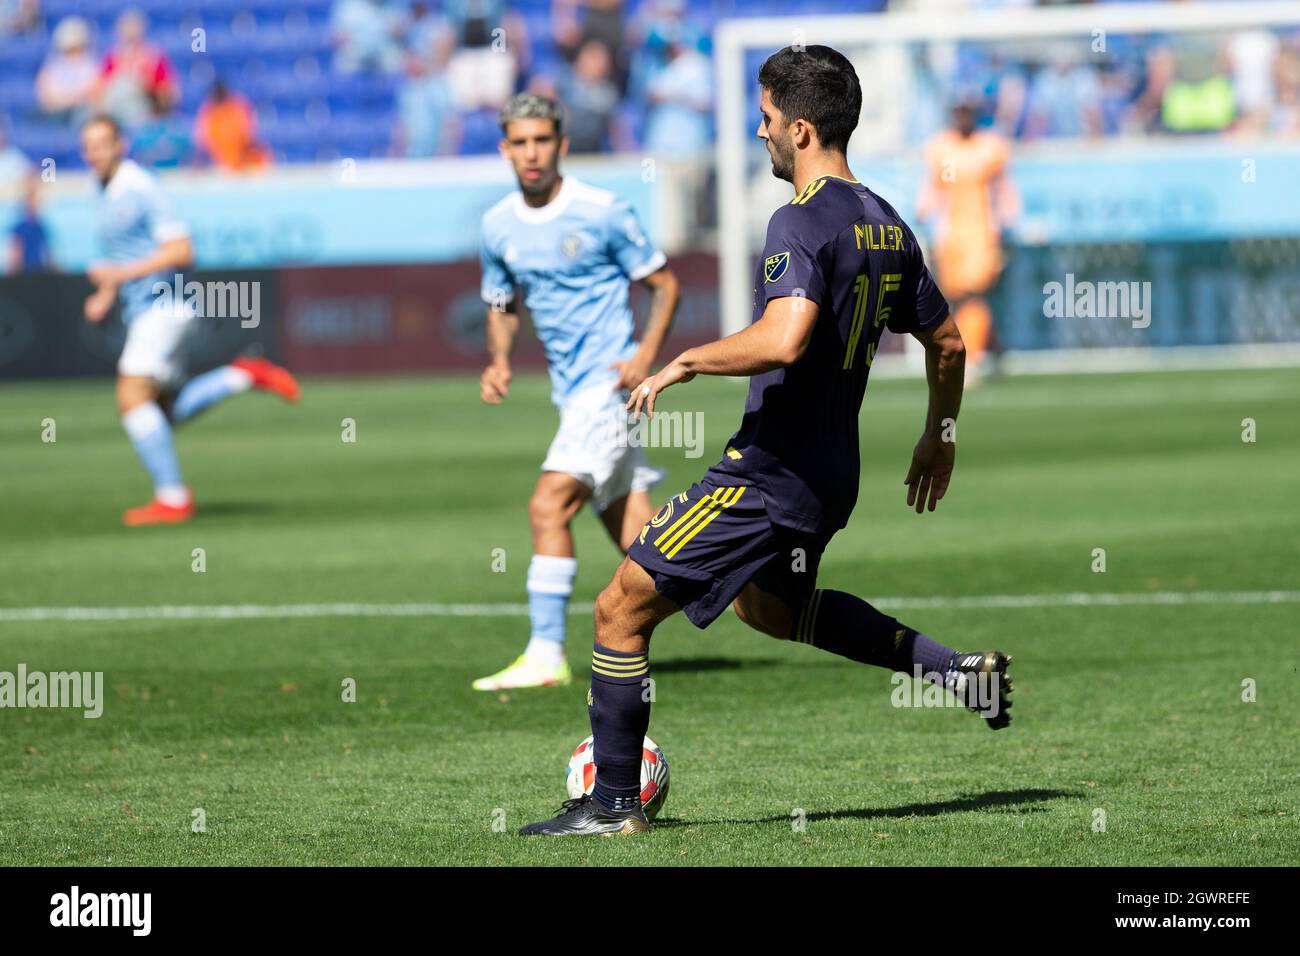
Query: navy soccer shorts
707, 543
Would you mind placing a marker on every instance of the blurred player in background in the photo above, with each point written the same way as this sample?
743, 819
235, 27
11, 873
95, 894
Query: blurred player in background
571, 250
839, 266
145, 244
969, 198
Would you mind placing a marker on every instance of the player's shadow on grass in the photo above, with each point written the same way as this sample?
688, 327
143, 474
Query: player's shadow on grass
980, 801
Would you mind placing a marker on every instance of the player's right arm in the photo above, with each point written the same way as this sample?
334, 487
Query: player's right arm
777, 340
502, 328
793, 287
498, 291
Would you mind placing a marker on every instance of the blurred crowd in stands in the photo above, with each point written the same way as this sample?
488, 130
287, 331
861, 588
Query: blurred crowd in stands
1247, 82
239, 84
247, 82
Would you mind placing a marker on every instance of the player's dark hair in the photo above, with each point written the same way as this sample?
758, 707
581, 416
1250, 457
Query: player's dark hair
107, 121
532, 106
816, 84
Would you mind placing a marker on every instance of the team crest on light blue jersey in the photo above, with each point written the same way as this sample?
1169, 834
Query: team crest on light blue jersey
572, 261
571, 245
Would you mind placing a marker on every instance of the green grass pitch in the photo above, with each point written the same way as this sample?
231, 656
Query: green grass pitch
1134, 710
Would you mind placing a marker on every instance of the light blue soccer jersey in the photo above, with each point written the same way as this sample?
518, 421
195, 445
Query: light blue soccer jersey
572, 260
132, 219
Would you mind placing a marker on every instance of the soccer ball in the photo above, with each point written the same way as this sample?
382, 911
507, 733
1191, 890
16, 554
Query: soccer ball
580, 775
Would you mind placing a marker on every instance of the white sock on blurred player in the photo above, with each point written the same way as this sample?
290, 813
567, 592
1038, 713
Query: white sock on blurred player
550, 583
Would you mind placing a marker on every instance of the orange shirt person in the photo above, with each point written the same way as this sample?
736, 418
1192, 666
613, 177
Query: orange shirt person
226, 130
969, 198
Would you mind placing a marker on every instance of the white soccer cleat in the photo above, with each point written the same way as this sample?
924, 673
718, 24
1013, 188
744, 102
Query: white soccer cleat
525, 672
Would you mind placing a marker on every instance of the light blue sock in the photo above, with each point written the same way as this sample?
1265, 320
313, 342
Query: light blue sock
207, 389
550, 582
151, 434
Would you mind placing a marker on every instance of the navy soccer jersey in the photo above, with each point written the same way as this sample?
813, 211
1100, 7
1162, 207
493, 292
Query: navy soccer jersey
841, 246
789, 478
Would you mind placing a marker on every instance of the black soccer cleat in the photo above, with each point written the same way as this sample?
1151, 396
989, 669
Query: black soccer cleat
587, 817
980, 681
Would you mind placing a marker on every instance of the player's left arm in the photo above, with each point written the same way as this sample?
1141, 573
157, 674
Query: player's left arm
173, 254
641, 261
778, 339
923, 313
665, 292
936, 452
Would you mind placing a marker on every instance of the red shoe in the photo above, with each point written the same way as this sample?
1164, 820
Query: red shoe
155, 512
270, 377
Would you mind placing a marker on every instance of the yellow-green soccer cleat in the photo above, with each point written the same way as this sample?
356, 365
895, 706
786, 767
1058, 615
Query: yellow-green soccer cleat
527, 673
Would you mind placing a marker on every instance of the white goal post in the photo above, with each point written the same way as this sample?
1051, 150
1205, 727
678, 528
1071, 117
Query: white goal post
734, 38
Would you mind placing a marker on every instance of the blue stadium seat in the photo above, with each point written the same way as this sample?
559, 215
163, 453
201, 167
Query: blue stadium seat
479, 132
41, 139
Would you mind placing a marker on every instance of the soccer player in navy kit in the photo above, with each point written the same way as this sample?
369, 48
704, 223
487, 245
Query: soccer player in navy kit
838, 268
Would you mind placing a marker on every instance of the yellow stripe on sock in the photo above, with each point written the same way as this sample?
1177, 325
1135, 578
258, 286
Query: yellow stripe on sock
604, 673
637, 665
808, 619
618, 660
803, 622
812, 617
631, 667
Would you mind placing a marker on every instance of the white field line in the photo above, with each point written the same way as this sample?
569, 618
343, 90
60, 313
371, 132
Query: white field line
220, 612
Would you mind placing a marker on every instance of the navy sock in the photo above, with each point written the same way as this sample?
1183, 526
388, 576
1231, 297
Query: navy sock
620, 716
849, 626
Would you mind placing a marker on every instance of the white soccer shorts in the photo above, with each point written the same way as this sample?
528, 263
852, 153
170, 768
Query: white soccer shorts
155, 345
592, 446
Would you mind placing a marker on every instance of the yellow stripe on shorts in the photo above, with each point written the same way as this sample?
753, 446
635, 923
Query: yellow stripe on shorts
690, 519
726, 499
685, 516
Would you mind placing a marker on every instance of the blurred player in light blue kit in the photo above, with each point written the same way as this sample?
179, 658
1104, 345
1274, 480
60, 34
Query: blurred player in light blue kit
144, 244
570, 251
